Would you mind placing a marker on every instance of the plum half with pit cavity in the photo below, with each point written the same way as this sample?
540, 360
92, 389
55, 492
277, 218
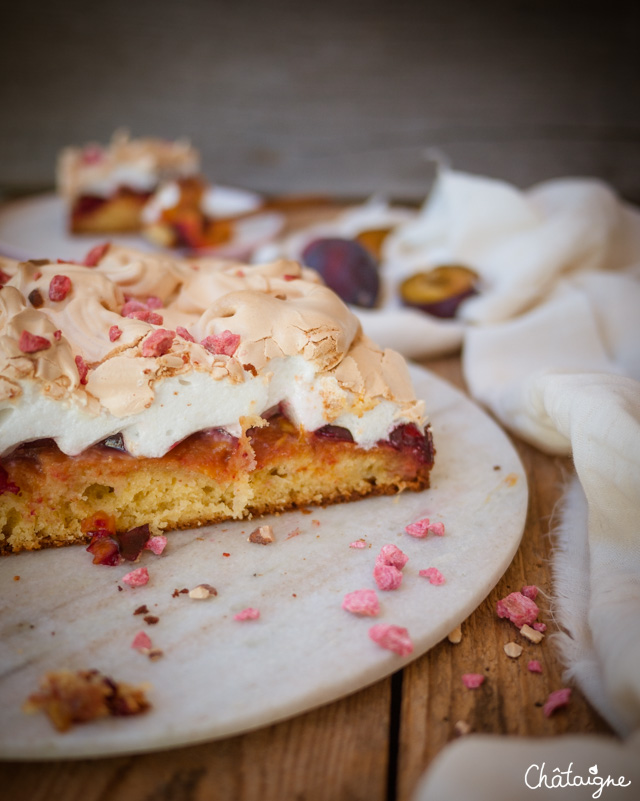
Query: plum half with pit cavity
346, 267
439, 291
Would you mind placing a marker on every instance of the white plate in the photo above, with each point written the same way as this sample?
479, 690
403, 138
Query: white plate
219, 676
36, 227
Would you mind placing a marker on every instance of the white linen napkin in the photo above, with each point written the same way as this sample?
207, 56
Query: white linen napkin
552, 347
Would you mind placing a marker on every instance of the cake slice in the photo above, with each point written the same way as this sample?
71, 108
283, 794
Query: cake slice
148, 391
106, 188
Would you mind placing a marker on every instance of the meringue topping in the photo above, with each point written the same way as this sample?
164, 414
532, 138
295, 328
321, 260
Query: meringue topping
138, 164
239, 341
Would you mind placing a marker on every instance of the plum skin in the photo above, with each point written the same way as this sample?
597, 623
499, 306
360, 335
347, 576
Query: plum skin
346, 267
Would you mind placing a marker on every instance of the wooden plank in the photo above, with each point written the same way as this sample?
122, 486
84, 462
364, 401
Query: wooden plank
510, 700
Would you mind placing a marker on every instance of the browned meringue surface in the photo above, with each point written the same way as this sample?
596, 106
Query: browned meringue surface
263, 336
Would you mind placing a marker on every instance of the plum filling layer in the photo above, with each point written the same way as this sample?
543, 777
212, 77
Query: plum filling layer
86, 205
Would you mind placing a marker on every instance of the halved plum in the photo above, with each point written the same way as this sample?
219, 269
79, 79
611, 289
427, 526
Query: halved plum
346, 267
439, 291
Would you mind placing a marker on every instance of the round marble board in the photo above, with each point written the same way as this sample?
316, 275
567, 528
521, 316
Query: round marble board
219, 676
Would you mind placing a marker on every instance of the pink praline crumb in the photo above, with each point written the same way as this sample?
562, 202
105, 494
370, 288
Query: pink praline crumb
393, 638
225, 343
141, 642
247, 614
518, 609
136, 578
393, 556
556, 699
158, 343
357, 544
362, 602
539, 626
534, 666
156, 544
433, 574
421, 528
530, 591
387, 577
472, 680
114, 333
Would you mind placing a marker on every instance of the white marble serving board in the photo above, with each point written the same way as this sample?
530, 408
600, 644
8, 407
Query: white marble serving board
219, 676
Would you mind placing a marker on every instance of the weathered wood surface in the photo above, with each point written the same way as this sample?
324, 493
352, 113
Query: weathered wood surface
342, 97
375, 744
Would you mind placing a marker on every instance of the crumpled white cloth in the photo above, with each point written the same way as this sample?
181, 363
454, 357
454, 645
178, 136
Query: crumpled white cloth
551, 347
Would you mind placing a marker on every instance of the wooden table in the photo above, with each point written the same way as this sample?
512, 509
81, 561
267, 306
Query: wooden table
375, 744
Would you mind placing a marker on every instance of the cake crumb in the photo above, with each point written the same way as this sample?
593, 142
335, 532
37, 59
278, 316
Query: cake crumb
513, 650
293, 533
151, 620
142, 610
202, 592
68, 698
263, 535
533, 635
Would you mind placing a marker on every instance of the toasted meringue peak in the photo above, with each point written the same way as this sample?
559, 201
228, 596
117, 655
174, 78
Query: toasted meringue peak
157, 348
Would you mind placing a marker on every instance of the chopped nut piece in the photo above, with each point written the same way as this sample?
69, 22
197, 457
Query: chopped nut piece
155, 653
531, 634
461, 728
513, 650
202, 592
263, 535
455, 636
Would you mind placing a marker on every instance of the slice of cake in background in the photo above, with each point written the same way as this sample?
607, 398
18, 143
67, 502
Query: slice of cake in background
140, 390
106, 187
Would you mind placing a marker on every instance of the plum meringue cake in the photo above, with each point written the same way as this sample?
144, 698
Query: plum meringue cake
143, 390
106, 188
